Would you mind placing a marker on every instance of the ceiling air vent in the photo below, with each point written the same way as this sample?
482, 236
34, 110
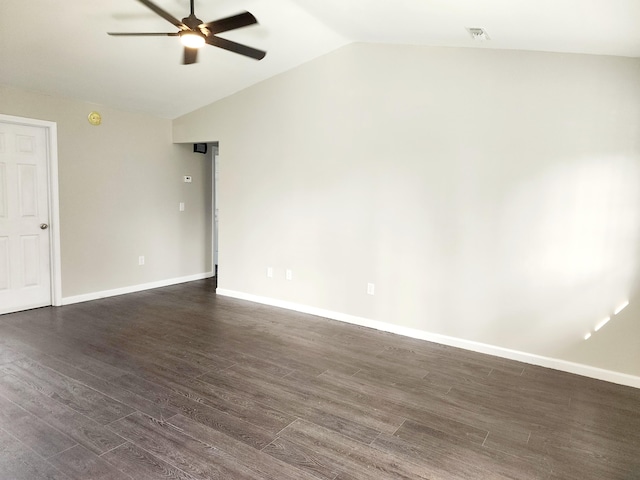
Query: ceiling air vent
478, 34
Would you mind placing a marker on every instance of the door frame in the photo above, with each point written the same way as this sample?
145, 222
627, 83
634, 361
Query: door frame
51, 130
215, 152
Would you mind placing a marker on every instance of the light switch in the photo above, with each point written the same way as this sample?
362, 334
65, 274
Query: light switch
182, 206
187, 179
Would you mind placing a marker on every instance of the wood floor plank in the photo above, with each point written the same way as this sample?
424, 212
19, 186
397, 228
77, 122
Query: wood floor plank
239, 406
82, 429
399, 382
340, 416
411, 405
67, 391
180, 450
233, 426
269, 347
576, 458
18, 462
329, 351
440, 464
257, 461
79, 463
30, 430
130, 399
419, 408
347, 455
301, 457
34, 343
505, 405
430, 443
434, 361
142, 465
9, 354
372, 418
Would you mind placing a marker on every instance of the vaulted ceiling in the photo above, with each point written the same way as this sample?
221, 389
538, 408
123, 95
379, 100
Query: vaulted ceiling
62, 48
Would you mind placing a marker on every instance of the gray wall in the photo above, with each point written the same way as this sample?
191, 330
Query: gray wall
491, 196
120, 187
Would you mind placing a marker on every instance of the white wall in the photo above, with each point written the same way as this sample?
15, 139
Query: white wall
120, 186
491, 196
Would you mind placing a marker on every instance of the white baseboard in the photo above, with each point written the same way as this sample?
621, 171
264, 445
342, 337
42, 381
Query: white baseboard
133, 288
548, 362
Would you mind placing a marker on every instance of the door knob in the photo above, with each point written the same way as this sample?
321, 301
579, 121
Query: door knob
44, 226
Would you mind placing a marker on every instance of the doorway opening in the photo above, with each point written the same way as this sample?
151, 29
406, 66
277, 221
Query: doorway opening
215, 175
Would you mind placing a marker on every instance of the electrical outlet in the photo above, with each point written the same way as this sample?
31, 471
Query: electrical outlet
371, 289
270, 272
289, 274
187, 179
141, 260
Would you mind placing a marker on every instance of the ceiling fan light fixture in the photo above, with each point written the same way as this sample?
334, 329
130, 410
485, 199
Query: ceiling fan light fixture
191, 39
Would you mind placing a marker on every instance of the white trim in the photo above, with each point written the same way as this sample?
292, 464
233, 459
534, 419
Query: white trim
214, 226
134, 288
51, 129
54, 216
548, 362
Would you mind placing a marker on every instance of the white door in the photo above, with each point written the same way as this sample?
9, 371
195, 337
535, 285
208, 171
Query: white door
25, 276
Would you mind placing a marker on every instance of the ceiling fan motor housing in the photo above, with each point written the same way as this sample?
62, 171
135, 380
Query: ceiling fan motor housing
192, 22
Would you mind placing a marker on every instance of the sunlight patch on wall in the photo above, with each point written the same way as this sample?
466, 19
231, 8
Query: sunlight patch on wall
606, 320
602, 323
589, 225
621, 307
571, 239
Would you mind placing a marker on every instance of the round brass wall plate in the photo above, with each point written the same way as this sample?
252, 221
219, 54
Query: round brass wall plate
94, 118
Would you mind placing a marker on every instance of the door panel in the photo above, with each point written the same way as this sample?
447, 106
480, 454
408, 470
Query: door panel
3, 190
30, 252
28, 190
25, 276
5, 281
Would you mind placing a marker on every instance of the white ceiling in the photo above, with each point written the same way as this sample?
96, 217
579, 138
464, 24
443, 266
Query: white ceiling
61, 47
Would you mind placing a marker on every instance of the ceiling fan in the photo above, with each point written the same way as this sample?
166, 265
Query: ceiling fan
194, 33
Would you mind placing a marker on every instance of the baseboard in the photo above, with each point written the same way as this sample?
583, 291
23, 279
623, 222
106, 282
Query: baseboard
133, 288
548, 362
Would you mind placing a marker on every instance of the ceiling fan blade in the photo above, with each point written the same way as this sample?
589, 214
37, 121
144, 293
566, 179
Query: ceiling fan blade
123, 34
235, 47
167, 16
231, 23
190, 55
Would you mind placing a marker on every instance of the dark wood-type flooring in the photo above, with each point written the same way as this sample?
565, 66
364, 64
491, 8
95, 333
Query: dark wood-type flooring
179, 383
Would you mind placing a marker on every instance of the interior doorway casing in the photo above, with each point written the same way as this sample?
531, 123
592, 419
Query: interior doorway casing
53, 196
215, 175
